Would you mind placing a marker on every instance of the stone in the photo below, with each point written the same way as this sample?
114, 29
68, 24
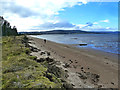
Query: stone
112, 83
81, 67
41, 60
67, 86
66, 65
42, 53
48, 53
82, 44
49, 59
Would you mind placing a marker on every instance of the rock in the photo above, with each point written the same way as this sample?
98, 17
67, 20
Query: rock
74, 38
112, 83
67, 86
72, 84
99, 86
66, 70
81, 67
41, 60
29, 42
82, 76
42, 53
49, 59
95, 78
66, 65
82, 44
62, 80
76, 62
71, 61
49, 76
57, 71
48, 53
34, 49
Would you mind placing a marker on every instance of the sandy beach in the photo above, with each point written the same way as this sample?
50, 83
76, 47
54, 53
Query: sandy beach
86, 68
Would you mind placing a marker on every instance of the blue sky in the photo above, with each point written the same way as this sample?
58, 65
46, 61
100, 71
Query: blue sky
44, 15
92, 12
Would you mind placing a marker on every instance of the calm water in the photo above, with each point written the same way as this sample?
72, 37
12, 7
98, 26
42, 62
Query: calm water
104, 42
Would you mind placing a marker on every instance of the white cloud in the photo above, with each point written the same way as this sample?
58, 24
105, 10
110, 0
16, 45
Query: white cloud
95, 23
25, 14
106, 21
107, 27
94, 27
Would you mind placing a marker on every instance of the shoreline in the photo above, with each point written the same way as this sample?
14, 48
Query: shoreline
80, 45
114, 56
83, 64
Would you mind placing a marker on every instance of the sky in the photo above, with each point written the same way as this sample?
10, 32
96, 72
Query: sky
45, 15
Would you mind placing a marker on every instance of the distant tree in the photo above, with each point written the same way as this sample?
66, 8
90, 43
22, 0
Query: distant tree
7, 30
14, 30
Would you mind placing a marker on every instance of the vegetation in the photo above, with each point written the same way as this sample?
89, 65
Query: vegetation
6, 28
20, 70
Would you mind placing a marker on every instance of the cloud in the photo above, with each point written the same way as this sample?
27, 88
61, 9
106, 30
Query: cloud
106, 21
12, 7
60, 25
34, 12
41, 14
44, 7
95, 23
89, 26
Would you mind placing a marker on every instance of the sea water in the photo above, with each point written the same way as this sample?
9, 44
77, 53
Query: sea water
105, 42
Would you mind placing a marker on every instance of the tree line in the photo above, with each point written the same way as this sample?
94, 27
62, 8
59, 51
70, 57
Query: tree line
7, 30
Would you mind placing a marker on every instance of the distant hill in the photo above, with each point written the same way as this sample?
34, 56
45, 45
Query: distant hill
64, 32
6, 28
55, 32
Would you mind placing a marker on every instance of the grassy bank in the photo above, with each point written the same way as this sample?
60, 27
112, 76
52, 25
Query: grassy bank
20, 70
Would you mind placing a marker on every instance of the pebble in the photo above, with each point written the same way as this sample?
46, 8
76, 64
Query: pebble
81, 67
99, 86
66, 70
112, 83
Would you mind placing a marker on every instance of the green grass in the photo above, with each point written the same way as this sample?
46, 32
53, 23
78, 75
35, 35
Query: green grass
19, 70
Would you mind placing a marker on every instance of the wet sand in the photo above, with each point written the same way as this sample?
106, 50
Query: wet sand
87, 68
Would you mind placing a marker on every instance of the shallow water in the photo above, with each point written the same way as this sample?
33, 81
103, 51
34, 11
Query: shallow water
104, 42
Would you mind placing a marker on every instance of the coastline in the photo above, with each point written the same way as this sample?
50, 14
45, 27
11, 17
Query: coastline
93, 41
82, 64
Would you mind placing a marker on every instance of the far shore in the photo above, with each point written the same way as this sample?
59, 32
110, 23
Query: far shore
82, 64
